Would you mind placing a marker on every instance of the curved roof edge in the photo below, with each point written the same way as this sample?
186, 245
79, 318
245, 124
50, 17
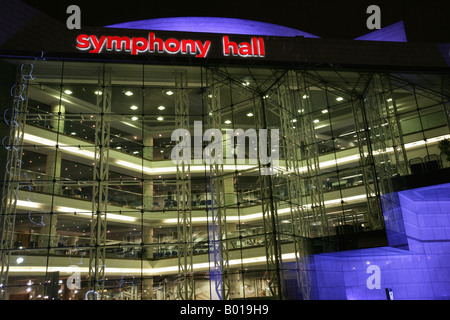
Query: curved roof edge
394, 33
213, 25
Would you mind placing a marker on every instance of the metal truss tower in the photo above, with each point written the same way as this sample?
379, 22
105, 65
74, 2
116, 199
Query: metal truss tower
272, 243
393, 121
312, 176
365, 112
289, 101
12, 179
97, 263
217, 227
185, 284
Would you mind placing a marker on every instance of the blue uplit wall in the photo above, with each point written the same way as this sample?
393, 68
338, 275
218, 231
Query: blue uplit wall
422, 271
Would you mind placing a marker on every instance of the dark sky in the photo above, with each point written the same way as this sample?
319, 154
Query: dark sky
425, 21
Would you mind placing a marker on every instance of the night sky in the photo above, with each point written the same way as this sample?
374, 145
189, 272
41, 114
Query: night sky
425, 21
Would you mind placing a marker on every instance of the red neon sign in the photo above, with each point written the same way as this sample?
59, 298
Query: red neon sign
152, 44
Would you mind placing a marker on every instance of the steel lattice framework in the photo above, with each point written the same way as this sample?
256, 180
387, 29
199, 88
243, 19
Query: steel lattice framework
268, 205
217, 227
11, 183
370, 177
311, 156
392, 117
185, 284
97, 263
289, 100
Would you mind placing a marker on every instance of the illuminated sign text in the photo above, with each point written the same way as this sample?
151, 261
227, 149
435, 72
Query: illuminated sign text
154, 44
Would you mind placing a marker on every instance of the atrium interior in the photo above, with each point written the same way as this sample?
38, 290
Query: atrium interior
94, 207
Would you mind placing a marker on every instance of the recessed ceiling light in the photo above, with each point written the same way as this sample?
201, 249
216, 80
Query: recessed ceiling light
160, 118
134, 118
324, 111
169, 93
227, 121
161, 108
128, 93
67, 91
339, 98
250, 114
133, 107
305, 96
316, 121
99, 93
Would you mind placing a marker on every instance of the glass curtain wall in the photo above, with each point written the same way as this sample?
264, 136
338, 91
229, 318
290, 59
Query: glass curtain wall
94, 205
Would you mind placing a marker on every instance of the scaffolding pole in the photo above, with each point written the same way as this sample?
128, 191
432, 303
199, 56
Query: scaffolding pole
393, 121
312, 177
11, 182
217, 226
362, 107
97, 256
185, 285
290, 136
268, 205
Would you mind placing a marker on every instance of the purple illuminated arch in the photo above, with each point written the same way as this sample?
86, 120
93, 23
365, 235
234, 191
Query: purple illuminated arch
214, 25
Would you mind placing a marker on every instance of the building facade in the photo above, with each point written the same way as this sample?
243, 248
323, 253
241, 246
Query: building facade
143, 163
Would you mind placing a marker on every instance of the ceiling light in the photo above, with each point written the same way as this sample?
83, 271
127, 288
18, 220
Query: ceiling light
161, 108
133, 107
389, 100
339, 99
99, 93
324, 111
169, 93
67, 91
305, 96
160, 118
134, 118
227, 121
316, 121
128, 93
250, 114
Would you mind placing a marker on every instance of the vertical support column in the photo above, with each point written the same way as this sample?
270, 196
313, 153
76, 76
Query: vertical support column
148, 194
289, 103
217, 227
100, 188
185, 285
390, 105
312, 175
269, 207
11, 183
373, 217
148, 148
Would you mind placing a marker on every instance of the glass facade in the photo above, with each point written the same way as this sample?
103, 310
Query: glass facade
95, 207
